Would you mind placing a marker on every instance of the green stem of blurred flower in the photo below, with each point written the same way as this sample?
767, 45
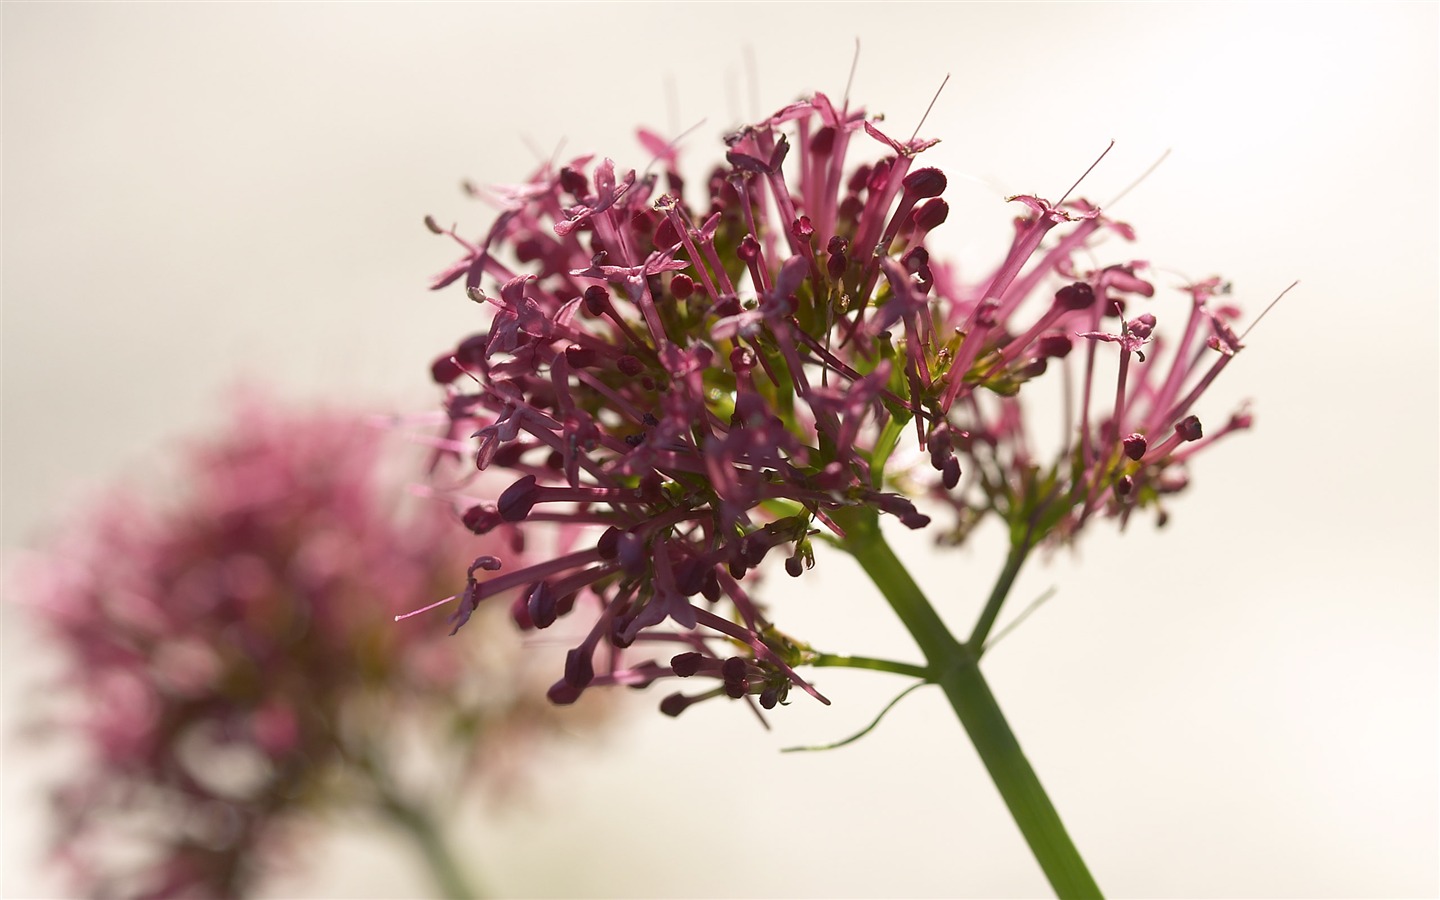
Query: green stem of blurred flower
955, 666
449, 877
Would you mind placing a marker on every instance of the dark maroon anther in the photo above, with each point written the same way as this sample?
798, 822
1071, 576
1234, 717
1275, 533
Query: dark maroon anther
541, 605
635, 440
1189, 429
629, 365
926, 182
481, 519
1135, 446
710, 589
574, 183
951, 474
1124, 485
579, 670
858, 179
850, 208
1078, 295
1114, 307
931, 214
682, 286
823, 141
793, 567
445, 370
566, 603
1054, 345
529, 250
597, 300
801, 229
686, 664
514, 505
643, 222
580, 357
675, 704
649, 420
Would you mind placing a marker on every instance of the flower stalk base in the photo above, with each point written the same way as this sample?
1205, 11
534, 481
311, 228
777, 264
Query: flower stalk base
955, 667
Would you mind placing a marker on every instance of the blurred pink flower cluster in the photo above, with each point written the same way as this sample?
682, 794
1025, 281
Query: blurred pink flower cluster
234, 662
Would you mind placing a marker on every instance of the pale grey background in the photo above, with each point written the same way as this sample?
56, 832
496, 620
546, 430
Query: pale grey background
1245, 705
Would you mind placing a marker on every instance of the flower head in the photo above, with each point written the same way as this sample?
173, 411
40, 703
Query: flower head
685, 385
235, 660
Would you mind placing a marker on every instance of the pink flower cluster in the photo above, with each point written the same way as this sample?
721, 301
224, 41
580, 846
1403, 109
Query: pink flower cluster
679, 388
234, 660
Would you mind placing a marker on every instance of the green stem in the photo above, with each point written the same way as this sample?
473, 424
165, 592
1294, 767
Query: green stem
970, 696
444, 868
1018, 551
865, 662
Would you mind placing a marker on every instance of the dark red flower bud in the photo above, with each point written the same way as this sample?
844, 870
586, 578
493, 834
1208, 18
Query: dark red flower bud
1189, 429
1054, 345
481, 519
579, 670
445, 370
686, 664
629, 365
573, 182
675, 704
580, 357
926, 182
540, 603
1135, 446
931, 214
667, 235
1075, 296
597, 300
514, 505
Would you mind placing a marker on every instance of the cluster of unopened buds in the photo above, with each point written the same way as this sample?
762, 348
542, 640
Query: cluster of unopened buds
680, 389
